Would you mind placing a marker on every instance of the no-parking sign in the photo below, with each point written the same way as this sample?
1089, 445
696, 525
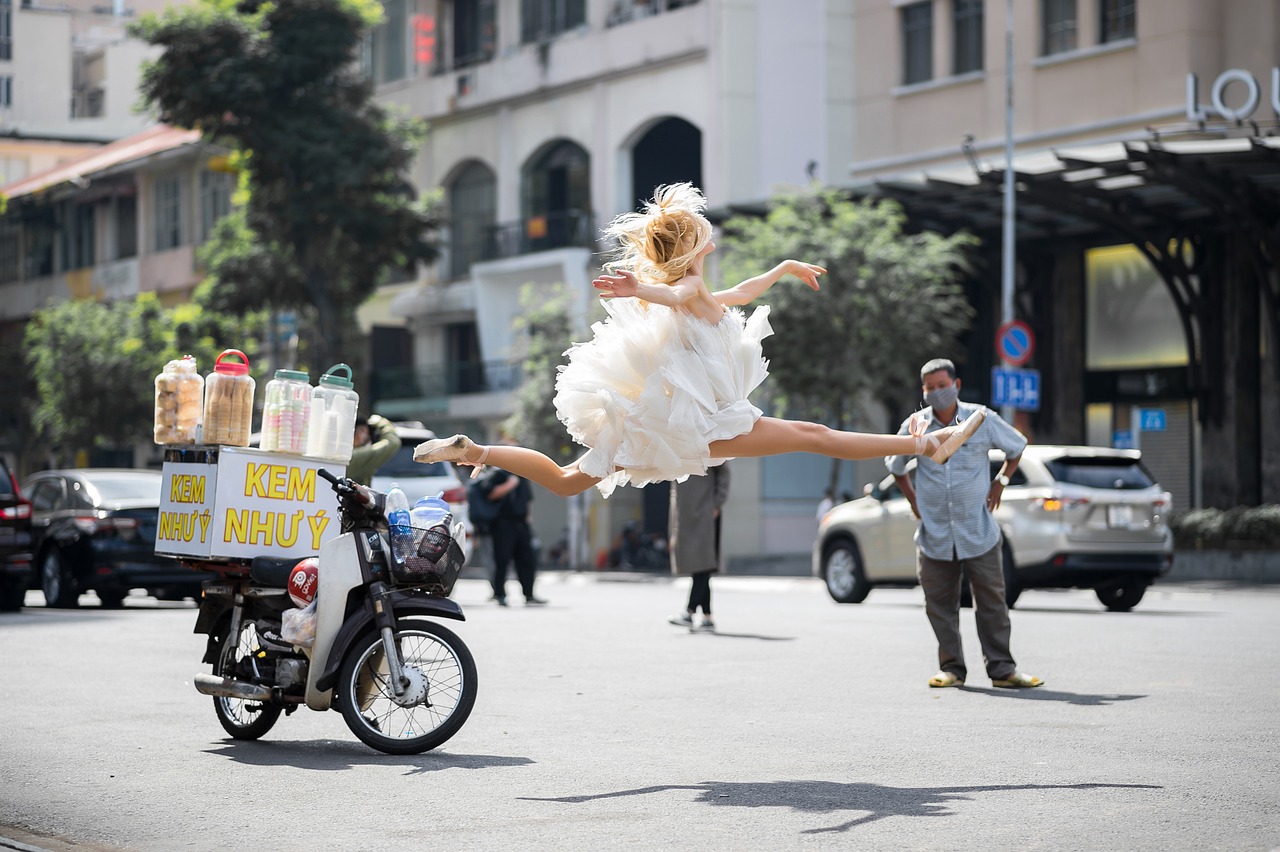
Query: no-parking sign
1015, 343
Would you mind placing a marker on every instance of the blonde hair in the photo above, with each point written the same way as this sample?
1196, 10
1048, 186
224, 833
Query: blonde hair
661, 242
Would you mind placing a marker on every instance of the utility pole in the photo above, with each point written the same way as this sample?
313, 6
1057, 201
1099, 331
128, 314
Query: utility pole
1007, 266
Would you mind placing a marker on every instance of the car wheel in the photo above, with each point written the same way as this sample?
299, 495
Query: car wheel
1122, 596
11, 596
842, 570
1012, 588
112, 598
56, 581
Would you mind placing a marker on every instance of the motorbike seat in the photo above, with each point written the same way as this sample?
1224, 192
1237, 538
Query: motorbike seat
271, 570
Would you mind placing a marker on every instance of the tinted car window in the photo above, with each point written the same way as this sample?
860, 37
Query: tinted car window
6, 481
1115, 473
402, 464
46, 495
1018, 478
125, 487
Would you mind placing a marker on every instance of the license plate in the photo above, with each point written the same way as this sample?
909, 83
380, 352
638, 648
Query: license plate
218, 590
1119, 516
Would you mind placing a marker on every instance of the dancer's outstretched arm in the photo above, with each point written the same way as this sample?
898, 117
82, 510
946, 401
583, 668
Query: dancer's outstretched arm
624, 283
751, 289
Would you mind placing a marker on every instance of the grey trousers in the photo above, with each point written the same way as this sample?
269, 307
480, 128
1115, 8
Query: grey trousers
941, 584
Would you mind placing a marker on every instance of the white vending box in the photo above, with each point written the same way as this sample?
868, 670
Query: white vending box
238, 503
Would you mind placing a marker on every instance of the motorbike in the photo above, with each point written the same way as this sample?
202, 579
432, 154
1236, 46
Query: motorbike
403, 682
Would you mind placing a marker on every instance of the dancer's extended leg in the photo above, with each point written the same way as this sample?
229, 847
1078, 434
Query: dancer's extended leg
538, 468
771, 436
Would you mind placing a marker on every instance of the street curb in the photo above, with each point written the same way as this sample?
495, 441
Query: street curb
1251, 566
1248, 566
6, 843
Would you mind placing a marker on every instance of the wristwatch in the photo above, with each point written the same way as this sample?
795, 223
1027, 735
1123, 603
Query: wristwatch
1003, 480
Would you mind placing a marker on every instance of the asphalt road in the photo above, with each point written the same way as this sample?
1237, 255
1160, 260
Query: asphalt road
803, 724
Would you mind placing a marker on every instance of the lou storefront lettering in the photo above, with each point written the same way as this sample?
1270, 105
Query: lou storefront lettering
1218, 95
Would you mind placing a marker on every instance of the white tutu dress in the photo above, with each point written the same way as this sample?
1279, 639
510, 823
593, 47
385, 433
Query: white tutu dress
655, 386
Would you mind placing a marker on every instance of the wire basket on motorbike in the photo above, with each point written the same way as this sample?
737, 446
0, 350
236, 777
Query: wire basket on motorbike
423, 558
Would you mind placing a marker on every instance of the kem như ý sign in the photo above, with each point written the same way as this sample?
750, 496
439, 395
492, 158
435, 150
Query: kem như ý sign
234, 503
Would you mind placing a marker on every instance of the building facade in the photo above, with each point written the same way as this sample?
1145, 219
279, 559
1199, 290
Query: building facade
1147, 167
1152, 315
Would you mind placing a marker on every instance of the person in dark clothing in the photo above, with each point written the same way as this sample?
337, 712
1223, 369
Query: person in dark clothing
511, 534
695, 541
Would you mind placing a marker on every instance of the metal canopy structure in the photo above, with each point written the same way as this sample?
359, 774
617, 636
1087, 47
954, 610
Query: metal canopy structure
1165, 197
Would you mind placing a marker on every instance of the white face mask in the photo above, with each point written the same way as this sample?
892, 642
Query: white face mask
943, 398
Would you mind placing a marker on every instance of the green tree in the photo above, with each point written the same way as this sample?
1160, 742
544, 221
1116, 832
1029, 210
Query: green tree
547, 334
94, 365
326, 211
889, 302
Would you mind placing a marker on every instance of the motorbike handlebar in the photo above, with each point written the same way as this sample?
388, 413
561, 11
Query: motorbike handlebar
347, 486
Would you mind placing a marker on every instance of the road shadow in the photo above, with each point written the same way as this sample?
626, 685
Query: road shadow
758, 636
339, 755
1133, 613
1042, 694
872, 801
1061, 610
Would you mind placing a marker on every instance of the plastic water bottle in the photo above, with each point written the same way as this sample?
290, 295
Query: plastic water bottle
399, 523
433, 515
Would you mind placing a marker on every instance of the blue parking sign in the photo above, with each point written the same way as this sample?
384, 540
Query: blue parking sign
1018, 389
1151, 419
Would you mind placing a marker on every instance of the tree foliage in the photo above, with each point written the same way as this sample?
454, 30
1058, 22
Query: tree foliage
889, 302
327, 210
547, 335
94, 364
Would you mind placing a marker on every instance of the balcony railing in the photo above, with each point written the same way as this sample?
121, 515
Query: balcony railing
566, 229
440, 383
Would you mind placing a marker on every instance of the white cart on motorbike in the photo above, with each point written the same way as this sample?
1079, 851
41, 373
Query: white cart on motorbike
369, 646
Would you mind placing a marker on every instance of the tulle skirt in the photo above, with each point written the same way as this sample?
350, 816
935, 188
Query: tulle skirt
654, 387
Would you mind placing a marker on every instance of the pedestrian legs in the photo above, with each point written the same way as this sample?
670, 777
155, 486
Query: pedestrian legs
525, 558
941, 584
986, 579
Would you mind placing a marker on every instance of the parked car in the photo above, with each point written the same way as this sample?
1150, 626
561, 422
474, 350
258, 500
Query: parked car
419, 480
94, 529
1072, 517
15, 542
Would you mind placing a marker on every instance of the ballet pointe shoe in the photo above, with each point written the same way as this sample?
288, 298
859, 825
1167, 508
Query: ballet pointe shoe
453, 449
942, 445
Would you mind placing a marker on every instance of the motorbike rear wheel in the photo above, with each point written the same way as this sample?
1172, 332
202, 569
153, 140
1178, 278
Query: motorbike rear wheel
243, 720
442, 675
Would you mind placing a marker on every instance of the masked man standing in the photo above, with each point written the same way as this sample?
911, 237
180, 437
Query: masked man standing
954, 502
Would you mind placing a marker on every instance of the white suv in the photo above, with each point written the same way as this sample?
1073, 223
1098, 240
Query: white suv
1072, 517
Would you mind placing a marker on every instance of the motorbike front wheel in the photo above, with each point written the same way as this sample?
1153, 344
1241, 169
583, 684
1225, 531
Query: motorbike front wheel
243, 720
435, 703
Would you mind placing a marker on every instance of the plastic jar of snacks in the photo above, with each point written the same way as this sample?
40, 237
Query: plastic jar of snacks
333, 416
179, 403
286, 412
228, 401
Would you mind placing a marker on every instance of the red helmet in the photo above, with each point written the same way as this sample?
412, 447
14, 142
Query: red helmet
303, 580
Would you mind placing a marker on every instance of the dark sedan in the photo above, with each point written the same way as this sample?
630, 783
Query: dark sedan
94, 529
15, 542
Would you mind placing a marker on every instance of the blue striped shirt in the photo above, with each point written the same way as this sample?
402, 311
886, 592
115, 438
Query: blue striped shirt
952, 497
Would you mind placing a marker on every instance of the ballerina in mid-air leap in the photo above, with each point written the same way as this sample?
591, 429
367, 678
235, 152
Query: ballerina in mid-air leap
660, 391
